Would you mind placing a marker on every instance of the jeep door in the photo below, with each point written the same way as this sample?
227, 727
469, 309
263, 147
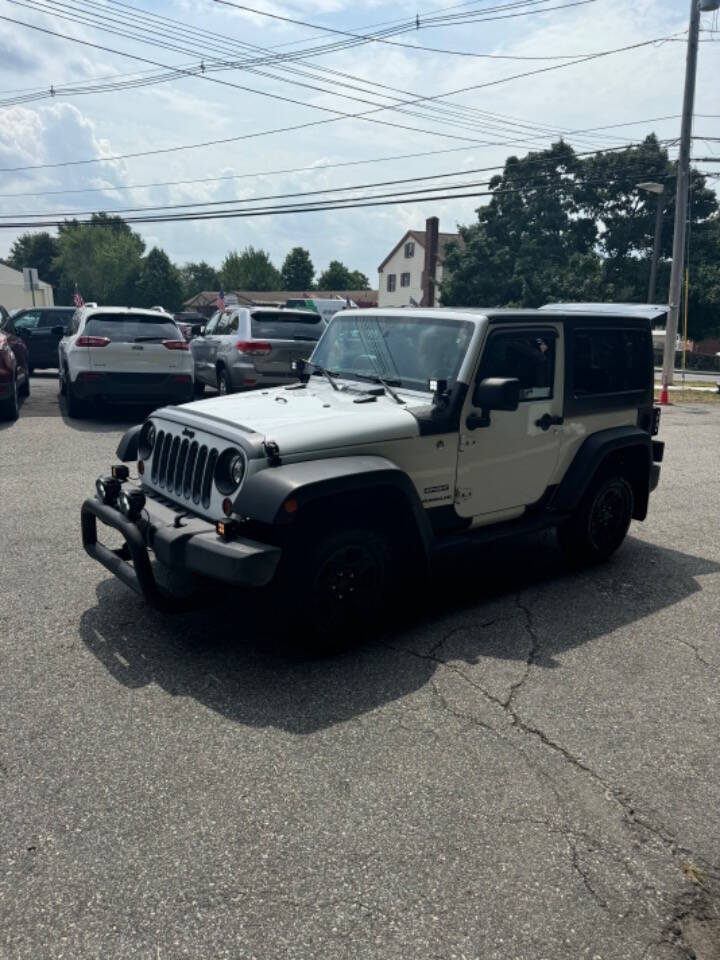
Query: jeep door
509, 464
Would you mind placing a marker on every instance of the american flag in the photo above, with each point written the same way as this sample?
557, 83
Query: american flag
220, 300
77, 298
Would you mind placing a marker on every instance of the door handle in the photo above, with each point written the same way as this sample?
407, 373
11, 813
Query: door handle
547, 420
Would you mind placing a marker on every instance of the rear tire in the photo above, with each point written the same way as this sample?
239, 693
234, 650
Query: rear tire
10, 406
336, 585
223, 382
75, 406
198, 388
25, 392
601, 521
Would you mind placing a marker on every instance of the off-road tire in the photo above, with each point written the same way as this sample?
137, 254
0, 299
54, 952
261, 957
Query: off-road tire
601, 521
10, 406
335, 584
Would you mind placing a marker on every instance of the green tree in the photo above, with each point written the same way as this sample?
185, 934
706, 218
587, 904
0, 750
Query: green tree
297, 271
196, 277
339, 277
103, 258
250, 269
158, 282
35, 250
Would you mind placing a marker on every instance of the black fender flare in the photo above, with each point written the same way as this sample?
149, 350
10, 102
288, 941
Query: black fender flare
127, 449
587, 461
265, 493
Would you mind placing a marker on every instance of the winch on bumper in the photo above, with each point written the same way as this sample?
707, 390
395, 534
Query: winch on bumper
180, 542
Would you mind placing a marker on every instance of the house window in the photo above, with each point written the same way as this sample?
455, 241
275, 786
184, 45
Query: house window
391, 282
404, 279
409, 249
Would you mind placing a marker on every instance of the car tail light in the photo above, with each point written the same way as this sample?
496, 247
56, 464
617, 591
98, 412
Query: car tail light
92, 342
258, 348
176, 344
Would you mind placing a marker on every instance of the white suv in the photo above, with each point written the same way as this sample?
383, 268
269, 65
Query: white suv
408, 432
122, 353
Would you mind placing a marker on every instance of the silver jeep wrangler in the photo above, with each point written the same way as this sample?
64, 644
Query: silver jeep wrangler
406, 431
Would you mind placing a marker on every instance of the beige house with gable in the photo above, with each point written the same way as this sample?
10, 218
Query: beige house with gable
400, 275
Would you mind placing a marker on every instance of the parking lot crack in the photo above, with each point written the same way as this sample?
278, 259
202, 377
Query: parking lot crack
532, 652
686, 643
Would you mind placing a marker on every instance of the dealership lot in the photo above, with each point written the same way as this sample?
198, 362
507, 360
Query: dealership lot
524, 766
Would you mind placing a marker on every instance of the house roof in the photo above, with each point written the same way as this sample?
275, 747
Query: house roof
208, 297
419, 237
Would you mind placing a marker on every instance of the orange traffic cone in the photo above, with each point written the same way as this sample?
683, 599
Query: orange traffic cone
664, 400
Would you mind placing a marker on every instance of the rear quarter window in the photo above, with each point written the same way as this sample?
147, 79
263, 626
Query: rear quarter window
611, 361
130, 328
285, 325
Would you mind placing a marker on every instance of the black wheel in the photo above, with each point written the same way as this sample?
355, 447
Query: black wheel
62, 381
601, 521
198, 388
223, 382
337, 585
10, 406
25, 390
75, 406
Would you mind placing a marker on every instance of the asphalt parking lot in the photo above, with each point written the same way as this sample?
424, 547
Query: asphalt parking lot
524, 767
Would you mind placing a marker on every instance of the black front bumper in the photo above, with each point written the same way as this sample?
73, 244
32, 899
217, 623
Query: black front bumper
192, 547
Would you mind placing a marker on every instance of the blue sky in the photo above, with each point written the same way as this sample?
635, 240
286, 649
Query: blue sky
486, 124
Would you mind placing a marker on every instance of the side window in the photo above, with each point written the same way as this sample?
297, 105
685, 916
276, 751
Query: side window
528, 356
391, 281
225, 324
28, 320
609, 361
75, 323
54, 318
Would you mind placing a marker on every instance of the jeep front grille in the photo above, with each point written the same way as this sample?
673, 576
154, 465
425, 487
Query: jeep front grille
185, 470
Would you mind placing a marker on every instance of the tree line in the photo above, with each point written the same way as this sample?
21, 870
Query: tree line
107, 261
561, 226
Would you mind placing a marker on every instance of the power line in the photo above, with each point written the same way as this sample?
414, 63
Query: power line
342, 115
313, 167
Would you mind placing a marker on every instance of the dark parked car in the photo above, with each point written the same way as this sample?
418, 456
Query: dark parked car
42, 328
14, 368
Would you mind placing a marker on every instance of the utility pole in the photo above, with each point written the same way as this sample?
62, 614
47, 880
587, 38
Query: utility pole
681, 193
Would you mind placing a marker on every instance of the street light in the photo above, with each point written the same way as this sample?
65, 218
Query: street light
658, 188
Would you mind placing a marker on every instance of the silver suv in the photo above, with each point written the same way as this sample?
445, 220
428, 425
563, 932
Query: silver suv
246, 347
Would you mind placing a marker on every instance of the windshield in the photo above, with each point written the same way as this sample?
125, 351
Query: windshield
407, 351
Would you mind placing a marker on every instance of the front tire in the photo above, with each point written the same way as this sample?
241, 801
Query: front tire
601, 521
25, 392
338, 584
10, 406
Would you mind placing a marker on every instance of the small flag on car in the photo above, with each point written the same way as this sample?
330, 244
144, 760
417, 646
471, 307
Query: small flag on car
220, 301
77, 298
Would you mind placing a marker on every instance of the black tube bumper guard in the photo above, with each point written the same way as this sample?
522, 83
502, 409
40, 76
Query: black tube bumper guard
192, 547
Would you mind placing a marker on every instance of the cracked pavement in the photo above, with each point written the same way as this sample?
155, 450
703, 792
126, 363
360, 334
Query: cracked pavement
525, 766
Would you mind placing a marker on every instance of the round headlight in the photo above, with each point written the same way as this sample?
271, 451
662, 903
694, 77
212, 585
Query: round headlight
147, 440
237, 469
229, 470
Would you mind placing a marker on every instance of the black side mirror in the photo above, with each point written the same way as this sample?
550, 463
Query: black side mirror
58, 331
493, 393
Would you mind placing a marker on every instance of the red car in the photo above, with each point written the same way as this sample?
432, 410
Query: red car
14, 368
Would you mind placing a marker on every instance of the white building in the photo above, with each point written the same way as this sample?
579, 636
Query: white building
400, 275
13, 294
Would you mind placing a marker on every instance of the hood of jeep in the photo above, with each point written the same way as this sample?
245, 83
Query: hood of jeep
315, 417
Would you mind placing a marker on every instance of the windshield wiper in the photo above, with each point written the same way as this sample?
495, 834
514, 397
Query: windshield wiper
325, 373
388, 384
